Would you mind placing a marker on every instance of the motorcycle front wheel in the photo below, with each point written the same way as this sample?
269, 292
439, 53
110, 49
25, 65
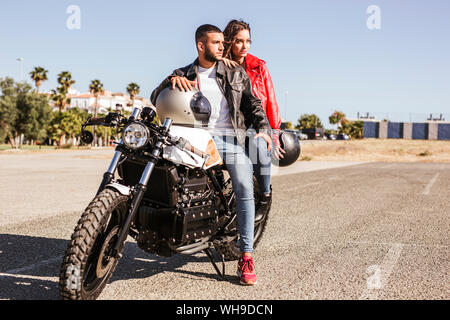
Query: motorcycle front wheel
87, 264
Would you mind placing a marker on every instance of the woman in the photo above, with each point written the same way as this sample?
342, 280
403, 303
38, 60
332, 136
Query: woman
237, 45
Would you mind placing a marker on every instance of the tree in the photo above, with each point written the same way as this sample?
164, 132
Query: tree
22, 111
354, 129
96, 88
133, 90
8, 109
38, 75
287, 125
34, 115
66, 82
67, 123
65, 79
58, 96
307, 121
338, 118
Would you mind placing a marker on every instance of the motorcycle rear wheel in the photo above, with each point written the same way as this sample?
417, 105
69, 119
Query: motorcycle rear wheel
231, 250
87, 265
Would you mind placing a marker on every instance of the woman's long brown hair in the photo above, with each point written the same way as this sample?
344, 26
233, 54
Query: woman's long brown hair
231, 30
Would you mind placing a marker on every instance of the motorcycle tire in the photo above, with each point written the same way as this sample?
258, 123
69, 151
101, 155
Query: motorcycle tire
231, 250
86, 267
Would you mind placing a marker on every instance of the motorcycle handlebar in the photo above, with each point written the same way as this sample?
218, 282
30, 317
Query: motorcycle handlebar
94, 121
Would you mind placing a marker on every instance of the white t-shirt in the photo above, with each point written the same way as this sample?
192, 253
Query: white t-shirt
220, 121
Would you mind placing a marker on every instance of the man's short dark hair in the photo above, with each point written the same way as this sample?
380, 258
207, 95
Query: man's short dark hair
204, 29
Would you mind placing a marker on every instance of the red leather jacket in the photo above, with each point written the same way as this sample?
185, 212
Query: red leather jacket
263, 88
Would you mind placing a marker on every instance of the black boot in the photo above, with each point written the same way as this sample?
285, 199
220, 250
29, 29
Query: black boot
264, 204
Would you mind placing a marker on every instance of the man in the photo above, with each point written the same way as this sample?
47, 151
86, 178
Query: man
228, 89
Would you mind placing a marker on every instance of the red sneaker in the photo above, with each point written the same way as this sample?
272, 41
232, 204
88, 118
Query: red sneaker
246, 271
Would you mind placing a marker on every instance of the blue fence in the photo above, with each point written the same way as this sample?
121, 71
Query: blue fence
407, 130
395, 130
420, 131
444, 131
371, 129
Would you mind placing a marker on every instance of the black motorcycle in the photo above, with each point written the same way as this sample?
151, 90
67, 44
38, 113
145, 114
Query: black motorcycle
167, 207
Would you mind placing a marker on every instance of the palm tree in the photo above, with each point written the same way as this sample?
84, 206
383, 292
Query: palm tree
65, 79
59, 96
96, 88
66, 82
38, 75
133, 90
338, 118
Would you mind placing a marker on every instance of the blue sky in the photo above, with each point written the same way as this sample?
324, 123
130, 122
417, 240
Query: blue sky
320, 52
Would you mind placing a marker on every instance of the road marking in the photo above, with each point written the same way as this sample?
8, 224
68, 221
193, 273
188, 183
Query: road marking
31, 267
430, 184
24, 276
299, 187
379, 274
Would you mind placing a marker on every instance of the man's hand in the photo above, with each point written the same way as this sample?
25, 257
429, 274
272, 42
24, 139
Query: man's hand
265, 137
183, 83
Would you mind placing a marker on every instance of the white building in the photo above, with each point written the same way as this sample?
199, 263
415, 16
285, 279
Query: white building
106, 101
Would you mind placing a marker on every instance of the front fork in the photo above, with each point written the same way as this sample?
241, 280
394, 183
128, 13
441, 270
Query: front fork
139, 190
108, 176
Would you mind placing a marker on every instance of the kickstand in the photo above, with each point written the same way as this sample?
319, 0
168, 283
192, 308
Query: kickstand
211, 258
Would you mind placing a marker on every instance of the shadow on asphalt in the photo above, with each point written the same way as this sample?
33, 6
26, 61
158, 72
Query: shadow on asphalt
27, 263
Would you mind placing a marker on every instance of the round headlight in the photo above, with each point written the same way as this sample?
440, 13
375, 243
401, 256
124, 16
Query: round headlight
135, 135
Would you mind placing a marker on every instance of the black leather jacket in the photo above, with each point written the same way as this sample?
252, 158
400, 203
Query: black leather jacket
245, 108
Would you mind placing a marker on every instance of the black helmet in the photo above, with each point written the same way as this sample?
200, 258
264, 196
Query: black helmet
289, 143
190, 108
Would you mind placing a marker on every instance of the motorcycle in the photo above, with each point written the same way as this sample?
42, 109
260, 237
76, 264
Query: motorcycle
171, 195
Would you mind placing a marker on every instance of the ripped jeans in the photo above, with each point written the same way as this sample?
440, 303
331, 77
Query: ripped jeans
240, 169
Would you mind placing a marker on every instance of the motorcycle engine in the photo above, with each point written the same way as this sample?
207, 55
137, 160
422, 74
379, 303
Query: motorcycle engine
179, 207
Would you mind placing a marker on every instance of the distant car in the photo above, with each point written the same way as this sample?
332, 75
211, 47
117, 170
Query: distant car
330, 136
298, 133
342, 136
314, 133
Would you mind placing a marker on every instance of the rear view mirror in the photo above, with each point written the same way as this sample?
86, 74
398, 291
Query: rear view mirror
87, 137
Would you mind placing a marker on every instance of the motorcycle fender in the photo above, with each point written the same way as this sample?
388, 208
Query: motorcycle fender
124, 190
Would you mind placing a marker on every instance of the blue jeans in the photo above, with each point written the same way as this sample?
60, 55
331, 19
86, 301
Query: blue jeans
240, 169
261, 160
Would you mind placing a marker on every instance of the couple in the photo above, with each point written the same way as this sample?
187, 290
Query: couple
240, 91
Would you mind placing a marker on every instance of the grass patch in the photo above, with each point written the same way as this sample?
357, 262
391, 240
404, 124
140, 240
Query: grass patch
27, 147
384, 150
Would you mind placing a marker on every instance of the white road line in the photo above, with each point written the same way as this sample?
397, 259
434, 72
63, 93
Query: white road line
379, 274
24, 276
430, 184
305, 186
18, 271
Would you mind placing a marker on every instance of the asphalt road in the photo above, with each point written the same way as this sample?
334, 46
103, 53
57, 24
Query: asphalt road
352, 231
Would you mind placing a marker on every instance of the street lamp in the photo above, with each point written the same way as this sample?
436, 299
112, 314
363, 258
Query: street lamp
286, 104
20, 60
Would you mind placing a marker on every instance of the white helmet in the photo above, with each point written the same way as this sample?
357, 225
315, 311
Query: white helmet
189, 108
